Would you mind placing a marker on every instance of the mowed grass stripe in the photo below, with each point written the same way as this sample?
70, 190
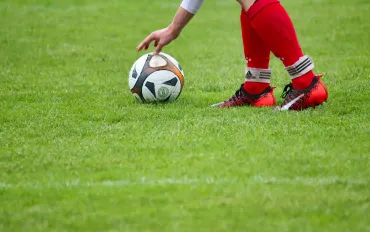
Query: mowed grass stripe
314, 181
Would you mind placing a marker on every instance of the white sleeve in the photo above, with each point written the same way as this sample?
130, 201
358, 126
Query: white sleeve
192, 5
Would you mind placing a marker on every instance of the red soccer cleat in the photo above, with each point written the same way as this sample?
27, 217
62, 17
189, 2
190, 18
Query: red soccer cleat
296, 99
242, 98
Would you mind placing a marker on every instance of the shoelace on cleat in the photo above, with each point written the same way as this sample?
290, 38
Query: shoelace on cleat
289, 93
287, 90
236, 95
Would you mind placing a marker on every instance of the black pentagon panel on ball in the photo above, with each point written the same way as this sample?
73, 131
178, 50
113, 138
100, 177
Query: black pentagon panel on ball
180, 67
134, 73
171, 82
150, 86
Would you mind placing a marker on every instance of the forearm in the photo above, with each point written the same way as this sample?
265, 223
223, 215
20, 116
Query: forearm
181, 19
184, 14
164, 36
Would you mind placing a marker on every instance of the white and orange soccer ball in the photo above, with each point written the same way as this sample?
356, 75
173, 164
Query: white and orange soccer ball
156, 78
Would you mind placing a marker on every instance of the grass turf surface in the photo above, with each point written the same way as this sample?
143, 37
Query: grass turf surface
78, 153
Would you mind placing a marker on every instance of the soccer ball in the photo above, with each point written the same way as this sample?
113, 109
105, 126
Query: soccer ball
156, 78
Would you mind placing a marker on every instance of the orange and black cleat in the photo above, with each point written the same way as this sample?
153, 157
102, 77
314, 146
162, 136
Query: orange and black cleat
242, 98
313, 96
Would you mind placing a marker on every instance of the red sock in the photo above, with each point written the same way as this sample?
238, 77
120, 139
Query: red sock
274, 26
256, 53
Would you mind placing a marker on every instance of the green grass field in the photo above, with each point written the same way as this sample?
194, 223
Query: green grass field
78, 153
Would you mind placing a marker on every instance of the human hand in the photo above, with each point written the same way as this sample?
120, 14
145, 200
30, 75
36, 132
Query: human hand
161, 38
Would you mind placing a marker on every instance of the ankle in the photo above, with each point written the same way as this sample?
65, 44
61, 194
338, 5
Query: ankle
304, 81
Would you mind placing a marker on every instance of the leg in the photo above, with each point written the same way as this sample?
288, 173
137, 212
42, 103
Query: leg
273, 24
257, 55
256, 90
